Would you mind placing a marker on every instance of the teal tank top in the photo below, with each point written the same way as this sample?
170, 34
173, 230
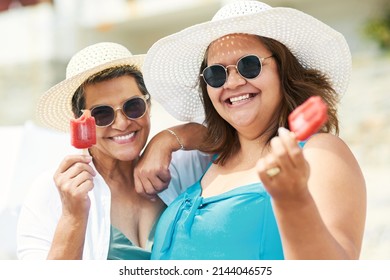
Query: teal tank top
121, 248
238, 224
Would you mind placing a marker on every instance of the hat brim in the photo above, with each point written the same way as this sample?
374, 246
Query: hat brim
171, 68
54, 109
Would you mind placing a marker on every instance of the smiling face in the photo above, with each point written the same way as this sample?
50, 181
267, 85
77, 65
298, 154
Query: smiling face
249, 105
124, 139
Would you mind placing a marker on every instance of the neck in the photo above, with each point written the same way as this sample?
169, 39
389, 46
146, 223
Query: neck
115, 170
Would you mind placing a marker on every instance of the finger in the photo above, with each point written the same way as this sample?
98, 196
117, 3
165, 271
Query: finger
283, 156
81, 178
144, 188
72, 172
157, 180
164, 176
149, 188
85, 186
262, 167
138, 183
69, 185
150, 179
161, 181
291, 145
280, 156
70, 160
71, 166
80, 167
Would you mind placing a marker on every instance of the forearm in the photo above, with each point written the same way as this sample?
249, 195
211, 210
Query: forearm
304, 234
68, 240
190, 135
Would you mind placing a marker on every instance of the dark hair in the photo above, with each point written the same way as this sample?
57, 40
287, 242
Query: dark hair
297, 85
78, 99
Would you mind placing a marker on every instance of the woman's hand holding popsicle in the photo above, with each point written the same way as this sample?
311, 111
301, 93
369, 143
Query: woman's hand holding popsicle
74, 176
74, 179
285, 165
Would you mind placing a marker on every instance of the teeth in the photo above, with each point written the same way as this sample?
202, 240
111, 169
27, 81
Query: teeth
239, 98
124, 137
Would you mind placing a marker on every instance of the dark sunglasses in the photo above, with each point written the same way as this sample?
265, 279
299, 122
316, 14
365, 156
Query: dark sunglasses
249, 67
133, 108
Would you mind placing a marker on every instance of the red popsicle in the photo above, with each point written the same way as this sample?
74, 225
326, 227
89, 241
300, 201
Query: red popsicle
83, 131
308, 118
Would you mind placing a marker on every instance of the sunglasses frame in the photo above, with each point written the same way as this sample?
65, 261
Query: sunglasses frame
144, 98
261, 60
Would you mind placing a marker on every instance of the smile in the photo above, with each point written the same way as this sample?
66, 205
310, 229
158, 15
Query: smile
123, 137
239, 99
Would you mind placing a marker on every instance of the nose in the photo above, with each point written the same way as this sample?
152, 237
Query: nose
233, 78
121, 122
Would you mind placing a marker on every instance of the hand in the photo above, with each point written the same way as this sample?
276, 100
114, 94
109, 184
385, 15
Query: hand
151, 174
291, 181
74, 179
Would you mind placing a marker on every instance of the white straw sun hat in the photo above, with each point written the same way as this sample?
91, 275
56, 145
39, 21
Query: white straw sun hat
172, 64
54, 108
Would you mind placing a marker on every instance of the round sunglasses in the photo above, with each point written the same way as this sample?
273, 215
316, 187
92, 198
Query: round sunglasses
133, 108
249, 67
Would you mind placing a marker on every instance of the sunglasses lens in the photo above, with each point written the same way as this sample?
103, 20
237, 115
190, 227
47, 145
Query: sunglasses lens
104, 115
214, 76
249, 66
134, 108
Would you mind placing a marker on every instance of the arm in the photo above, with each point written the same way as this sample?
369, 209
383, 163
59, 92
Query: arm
319, 197
151, 174
74, 179
38, 218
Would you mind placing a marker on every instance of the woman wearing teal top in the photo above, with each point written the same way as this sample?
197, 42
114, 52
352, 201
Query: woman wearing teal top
225, 226
254, 65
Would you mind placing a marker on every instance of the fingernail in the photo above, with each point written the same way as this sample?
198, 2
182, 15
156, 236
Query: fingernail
282, 131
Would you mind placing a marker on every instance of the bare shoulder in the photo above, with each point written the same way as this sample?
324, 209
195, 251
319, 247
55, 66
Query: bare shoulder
332, 161
338, 188
330, 144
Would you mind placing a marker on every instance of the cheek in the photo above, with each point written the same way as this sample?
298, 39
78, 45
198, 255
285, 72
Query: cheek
214, 94
100, 132
145, 123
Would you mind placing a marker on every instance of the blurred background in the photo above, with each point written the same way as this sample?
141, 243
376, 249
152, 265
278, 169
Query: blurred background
39, 37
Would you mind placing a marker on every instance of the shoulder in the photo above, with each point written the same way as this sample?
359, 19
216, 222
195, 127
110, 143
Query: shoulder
326, 142
332, 162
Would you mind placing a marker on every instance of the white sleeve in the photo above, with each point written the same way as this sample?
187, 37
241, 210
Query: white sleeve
186, 168
38, 219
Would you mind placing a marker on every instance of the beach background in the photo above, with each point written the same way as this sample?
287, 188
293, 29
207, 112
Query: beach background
38, 40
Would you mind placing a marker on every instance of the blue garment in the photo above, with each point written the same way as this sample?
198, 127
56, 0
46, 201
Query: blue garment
237, 224
121, 248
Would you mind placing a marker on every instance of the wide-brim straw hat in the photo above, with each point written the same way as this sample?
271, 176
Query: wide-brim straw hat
54, 108
172, 64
